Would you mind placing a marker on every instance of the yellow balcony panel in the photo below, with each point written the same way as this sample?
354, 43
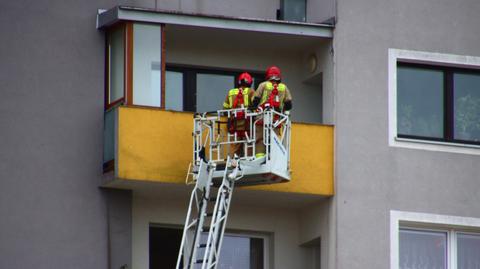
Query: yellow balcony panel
154, 145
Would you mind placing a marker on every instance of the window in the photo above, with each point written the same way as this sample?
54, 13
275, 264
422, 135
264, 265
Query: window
134, 65
428, 241
238, 250
115, 65
434, 101
468, 248
241, 252
429, 249
202, 89
420, 102
466, 106
211, 90
174, 90
438, 103
147, 64
293, 10
423, 249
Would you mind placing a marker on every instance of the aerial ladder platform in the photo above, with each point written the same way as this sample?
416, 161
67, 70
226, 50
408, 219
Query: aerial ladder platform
215, 171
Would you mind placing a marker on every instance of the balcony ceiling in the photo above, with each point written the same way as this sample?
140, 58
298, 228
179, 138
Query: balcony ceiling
178, 35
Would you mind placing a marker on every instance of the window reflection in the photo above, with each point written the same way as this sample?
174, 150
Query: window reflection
239, 252
146, 64
420, 102
211, 91
174, 90
467, 107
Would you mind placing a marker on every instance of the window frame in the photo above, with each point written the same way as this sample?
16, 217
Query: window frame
453, 225
424, 58
131, 53
190, 80
449, 242
107, 103
267, 238
128, 47
448, 100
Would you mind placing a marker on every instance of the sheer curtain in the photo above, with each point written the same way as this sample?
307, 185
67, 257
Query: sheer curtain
468, 251
423, 249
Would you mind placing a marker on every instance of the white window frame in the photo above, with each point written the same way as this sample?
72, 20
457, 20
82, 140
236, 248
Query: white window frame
430, 222
398, 55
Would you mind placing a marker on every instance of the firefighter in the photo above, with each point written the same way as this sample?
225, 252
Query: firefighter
271, 94
240, 97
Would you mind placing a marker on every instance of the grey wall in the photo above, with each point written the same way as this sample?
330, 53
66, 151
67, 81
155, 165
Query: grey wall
52, 213
265, 9
119, 208
371, 177
317, 220
320, 10
317, 10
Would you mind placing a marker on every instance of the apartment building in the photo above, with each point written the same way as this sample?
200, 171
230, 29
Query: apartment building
96, 120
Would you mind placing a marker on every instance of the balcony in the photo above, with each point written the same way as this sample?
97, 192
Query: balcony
151, 146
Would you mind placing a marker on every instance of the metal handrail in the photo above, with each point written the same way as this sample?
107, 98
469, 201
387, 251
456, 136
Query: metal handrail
211, 134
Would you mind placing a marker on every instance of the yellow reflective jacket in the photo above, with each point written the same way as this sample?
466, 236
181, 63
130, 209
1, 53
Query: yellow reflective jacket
232, 96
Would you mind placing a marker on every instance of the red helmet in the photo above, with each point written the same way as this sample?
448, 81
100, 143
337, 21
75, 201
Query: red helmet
273, 73
245, 79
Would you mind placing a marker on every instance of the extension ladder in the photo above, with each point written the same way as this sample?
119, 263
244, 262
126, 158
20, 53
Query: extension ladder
195, 251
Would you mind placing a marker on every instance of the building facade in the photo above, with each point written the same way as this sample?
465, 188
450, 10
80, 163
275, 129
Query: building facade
96, 121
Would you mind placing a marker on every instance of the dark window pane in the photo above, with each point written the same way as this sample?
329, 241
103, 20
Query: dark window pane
468, 250
420, 102
467, 107
109, 136
116, 54
256, 253
422, 249
164, 245
256, 81
294, 10
211, 91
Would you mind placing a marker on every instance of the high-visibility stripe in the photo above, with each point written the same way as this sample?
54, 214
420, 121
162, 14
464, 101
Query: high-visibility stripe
267, 91
232, 95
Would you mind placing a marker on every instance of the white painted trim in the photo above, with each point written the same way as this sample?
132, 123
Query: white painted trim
394, 55
454, 223
452, 248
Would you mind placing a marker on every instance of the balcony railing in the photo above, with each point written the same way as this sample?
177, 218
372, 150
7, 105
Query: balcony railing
154, 145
